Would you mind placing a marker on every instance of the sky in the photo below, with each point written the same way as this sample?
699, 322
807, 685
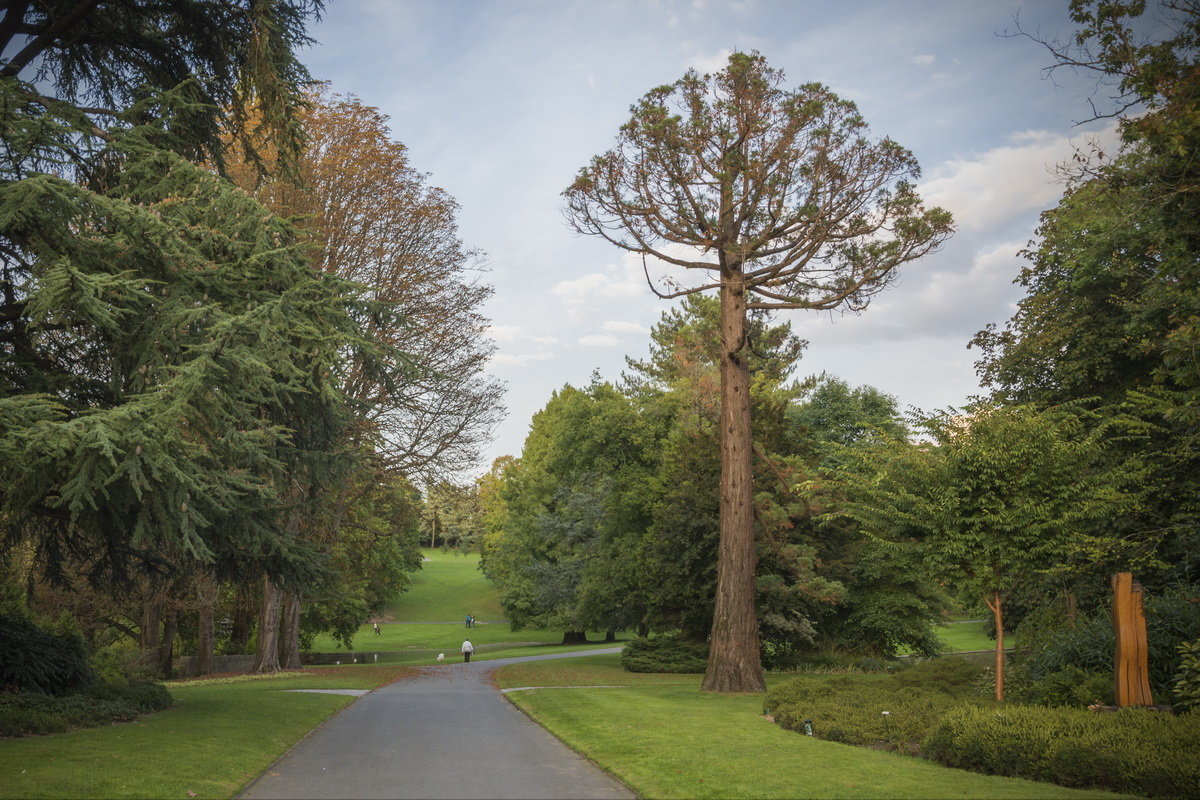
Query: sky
502, 102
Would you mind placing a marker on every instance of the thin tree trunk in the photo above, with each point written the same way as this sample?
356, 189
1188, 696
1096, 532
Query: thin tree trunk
150, 635
734, 663
267, 655
289, 632
166, 648
996, 604
206, 638
244, 612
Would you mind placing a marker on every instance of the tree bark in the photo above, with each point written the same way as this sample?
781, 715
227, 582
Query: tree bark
610, 635
289, 632
267, 654
996, 604
150, 635
206, 638
243, 619
734, 663
574, 637
166, 648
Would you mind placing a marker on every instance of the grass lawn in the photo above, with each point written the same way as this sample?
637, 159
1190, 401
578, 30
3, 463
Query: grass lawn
665, 739
968, 636
216, 738
447, 587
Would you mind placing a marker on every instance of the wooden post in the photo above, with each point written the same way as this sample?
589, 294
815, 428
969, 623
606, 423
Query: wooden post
1131, 665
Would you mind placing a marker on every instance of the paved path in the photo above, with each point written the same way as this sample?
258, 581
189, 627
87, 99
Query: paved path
446, 733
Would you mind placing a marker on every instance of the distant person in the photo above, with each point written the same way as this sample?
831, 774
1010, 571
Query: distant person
467, 649
376, 628
469, 618
472, 620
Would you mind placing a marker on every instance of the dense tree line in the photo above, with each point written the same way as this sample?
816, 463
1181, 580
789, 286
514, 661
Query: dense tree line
608, 519
236, 328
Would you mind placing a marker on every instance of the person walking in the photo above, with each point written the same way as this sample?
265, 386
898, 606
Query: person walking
467, 649
468, 621
376, 628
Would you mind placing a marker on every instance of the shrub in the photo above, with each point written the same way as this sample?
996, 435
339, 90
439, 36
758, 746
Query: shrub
950, 674
850, 710
664, 654
142, 696
1072, 686
1187, 679
1135, 750
28, 721
35, 713
33, 660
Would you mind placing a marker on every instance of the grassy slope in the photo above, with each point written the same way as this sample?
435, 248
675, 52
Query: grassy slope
665, 739
448, 587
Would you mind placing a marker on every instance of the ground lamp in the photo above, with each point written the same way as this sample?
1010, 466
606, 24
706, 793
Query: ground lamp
886, 729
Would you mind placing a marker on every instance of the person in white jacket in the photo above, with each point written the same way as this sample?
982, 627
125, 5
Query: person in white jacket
467, 649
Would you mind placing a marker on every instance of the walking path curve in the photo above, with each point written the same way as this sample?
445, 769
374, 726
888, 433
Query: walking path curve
446, 733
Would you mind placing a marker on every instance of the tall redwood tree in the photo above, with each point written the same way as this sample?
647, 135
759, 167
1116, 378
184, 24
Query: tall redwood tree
779, 200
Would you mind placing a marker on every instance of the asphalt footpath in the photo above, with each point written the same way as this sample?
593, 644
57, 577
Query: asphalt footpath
446, 733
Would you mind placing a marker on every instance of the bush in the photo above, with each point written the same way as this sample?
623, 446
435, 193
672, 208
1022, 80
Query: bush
1135, 750
1187, 679
850, 710
28, 722
1170, 620
33, 660
949, 674
1072, 687
36, 713
664, 654
142, 696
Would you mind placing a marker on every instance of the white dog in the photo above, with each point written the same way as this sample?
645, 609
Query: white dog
441, 657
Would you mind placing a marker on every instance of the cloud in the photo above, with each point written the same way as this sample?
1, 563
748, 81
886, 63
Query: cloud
991, 188
620, 326
712, 62
924, 59
519, 360
627, 278
599, 340
516, 333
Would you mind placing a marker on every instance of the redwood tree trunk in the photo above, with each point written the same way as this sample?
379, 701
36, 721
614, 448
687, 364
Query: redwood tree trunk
289, 632
734, 664
267, 655
206, 589
996, 604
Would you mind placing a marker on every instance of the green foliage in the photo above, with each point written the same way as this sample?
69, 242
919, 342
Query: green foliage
1143, 752
1089, 645
1071, 687
850, 709
33, 660
1186, 691
665, 654
28, 713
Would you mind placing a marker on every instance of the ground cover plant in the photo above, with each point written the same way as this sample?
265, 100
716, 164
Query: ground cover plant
896, 711
220, 734
665, 739
1135, 750
32, 713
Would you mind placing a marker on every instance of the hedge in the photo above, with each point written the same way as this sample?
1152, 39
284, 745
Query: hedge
1143, 752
